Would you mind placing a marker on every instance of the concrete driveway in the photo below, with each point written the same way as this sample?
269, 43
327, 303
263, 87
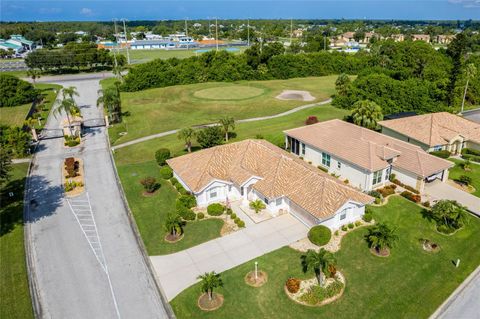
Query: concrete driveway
180, 270
438, 190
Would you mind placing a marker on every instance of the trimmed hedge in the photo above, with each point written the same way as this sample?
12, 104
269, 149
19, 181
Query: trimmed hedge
471, 154
215, 209
188, 201
441, 154
319, 235
186, 213
410, 196
162, 155
166, 172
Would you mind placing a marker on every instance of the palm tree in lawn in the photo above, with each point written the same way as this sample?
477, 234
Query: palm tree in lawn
227, 123
381, 237
187, 134
110, 98
210, 281
34, 74
173, 225
367, 114
30, 123
449, 213
257, 205
318, 262
68, 107
470, 73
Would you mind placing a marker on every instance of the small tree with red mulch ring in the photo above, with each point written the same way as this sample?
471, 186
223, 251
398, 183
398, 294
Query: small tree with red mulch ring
311, 120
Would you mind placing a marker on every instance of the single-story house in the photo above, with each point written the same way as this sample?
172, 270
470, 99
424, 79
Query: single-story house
421, 37
364, 157
151, 44
256, 169
435, 131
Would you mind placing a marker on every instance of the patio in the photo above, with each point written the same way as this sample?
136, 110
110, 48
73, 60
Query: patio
241, 208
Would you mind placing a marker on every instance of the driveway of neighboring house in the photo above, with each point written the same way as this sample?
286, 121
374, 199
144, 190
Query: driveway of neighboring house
438, 190
180, 270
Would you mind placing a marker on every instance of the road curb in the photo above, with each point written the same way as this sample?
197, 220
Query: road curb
446, 304
136, 232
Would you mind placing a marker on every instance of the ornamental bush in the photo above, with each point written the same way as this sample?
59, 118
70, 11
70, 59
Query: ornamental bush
441, 154
367, 217
186, 213
319, 235
464, 179
215, 209
188, 201
166, 172
149, 184
311, 120
410, 196
173, 180
162, 155
351, 226
200, 216
293, 285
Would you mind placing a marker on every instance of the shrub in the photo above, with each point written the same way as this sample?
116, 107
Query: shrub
344, 228
229, 211
375, 194
241, 224
410, 196
358, 223
336, 233
188, 201
351, 225
215, 209
149, 184
236, 220
15, 91
166, 172
319, 235
470, 157
162, 155
293, 285
200, 215
210, 136
71, 141
259, 136
311, 120
441, 154
464, 179
173, 180
71, 166
387, 190
233, 216
410, 188
426, 204
392, 177
322, 168
470, 151
186, 213
367, 217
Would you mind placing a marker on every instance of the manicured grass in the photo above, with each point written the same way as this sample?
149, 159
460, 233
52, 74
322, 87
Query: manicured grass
142, 56
15, 115
150, 212
14, 293
271, 130
474, 173
229, 93
411, 283
162, 109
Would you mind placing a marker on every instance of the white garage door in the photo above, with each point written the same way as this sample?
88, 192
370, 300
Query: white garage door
303, 216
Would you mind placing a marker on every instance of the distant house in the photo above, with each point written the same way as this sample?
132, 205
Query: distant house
256, 169
298, 33
444, 39
348, 37
364, 157
397, 37
18, 43
435, 131
421, 37
151, 44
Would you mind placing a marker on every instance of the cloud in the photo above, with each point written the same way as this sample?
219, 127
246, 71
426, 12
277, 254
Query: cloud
49, 10
86, 11
467, 3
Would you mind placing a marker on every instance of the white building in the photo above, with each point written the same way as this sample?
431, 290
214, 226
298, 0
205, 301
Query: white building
255, 169
363, 157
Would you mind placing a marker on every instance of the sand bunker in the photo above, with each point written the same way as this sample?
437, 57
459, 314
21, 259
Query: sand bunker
295, 95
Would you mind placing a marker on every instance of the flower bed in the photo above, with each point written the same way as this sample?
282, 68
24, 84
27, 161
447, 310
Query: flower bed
72, 173
311, 294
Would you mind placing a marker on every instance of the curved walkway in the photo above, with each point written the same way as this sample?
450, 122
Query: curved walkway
253, 119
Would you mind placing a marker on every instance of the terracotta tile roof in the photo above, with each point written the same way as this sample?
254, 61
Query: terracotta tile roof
280, 173
366, 148
435, 128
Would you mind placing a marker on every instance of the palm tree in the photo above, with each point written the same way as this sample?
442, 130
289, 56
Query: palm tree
70, 92
470, 73
30, 123
69, 107
210, 280
227, 123
381, 237
173, 225
342, 84
257, 205
34, 74
318, 262
449, 213
110, 98
187, 134
367, 113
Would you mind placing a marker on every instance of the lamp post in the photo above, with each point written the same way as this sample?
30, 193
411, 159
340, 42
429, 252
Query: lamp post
256, 270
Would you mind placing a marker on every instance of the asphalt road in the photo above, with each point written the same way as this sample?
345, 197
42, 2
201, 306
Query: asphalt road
472, 115
71, 280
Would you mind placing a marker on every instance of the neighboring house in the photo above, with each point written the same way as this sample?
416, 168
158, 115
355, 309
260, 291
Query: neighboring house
17, 49
435, 131
445, 39
421, 37
364, 157
151, 44
256, 169
397, 37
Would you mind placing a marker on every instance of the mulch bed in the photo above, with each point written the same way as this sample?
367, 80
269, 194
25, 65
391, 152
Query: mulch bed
172, 239
430, 247
295, 297
209, 305
262, 278
382, 253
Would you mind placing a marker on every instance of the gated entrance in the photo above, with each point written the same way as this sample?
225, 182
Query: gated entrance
91, 123
49, 133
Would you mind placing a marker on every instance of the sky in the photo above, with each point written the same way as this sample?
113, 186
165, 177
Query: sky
99, 10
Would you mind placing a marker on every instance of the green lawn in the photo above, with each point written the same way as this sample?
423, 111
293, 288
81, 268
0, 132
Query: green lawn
474, 173
409, 284
142, 56
15, 115
271, 130
14, 293
162, 109
150, 212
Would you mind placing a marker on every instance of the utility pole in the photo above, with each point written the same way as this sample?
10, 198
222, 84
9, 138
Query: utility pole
186, 32
116, 47
216, 32
291, 31
126, 41
248, 32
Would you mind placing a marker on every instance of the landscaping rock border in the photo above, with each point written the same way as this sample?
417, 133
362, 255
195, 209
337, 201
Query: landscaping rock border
212, 305
172, 241
262, 278
305, 284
